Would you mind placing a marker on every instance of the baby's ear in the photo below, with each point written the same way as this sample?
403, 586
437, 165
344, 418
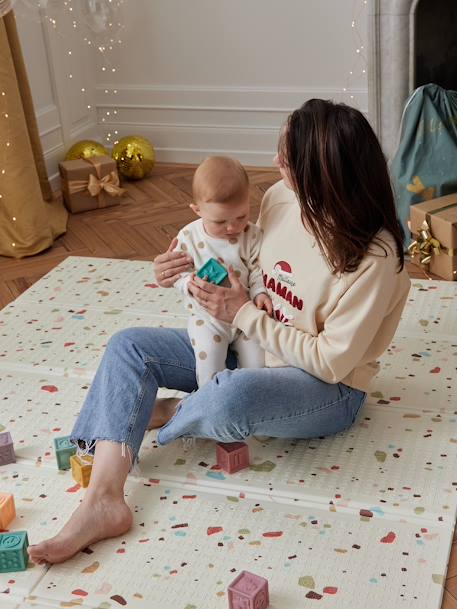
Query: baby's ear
195, 208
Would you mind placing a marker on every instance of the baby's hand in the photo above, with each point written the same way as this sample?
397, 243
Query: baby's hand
263, 301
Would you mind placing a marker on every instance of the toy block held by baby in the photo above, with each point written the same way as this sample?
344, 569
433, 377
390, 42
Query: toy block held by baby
248, 591
233, 456
13, 551
7, 454
7, 510
214, 271
64, 449
81, 469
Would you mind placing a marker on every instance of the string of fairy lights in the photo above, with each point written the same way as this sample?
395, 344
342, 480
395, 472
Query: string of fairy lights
54, 13
358, 71
7, 145
100, 31
105, 36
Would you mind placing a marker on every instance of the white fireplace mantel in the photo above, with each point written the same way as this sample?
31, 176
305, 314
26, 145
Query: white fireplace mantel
390, 65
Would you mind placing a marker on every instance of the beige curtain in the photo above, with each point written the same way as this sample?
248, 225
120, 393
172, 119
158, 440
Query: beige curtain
30, 217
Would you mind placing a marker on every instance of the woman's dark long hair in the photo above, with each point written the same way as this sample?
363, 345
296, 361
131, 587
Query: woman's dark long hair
339, 173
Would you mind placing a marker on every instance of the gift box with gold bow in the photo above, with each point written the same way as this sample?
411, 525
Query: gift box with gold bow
90, 183
434, 232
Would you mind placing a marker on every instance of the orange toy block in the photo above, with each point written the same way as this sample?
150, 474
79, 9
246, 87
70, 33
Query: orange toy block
81, 469
7, 510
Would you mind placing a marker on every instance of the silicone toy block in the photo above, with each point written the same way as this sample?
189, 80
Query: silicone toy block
81, 469
248, 591
7, 510
64, 450
13, 551
232, 457
7, 454
215, 272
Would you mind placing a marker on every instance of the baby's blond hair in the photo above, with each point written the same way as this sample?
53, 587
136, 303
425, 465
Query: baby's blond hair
220, 179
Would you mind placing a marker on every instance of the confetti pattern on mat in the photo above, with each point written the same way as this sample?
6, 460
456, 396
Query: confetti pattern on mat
64, 339
430, 310
418, 373
36, 409
103, 283
389, 462
185, 548
365, 514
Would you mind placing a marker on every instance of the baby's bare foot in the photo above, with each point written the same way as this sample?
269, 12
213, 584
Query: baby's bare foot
164, 409
92, 521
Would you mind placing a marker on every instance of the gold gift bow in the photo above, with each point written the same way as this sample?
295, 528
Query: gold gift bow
95, 184
109, 183
426, 245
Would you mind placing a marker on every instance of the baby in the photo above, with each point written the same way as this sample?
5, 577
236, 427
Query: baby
220, 191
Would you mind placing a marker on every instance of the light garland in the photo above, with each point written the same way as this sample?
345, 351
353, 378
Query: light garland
46, 10
358, 7
7, 145
105, 48
102, 40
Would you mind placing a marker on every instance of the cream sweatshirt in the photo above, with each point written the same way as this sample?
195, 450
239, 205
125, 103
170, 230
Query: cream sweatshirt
333, 326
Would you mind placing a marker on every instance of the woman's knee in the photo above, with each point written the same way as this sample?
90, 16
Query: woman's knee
121, 339
227, 411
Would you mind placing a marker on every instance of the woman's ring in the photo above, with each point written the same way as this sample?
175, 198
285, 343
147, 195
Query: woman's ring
162, 274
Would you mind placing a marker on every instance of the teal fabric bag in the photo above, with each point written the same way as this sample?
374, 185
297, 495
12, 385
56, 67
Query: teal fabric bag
425, 164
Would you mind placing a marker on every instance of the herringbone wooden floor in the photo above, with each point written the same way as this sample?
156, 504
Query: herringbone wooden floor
139, 228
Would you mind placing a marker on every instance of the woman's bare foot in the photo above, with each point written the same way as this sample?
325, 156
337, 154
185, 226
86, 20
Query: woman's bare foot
164, 409
93, 520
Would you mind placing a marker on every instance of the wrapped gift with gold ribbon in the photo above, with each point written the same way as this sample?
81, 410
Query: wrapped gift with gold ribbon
90, 183
434, 230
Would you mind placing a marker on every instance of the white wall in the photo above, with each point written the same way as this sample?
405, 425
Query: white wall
61, 107
204, 76
196, 76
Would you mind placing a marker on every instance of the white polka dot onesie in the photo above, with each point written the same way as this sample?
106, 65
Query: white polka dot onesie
210, 337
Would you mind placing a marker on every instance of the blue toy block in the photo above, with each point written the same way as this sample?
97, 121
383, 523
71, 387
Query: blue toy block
13, 551
64, 450
214, 271
7, 454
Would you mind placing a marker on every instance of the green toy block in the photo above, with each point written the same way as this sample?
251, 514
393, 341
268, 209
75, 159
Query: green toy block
13, 551
214, 271
64, 450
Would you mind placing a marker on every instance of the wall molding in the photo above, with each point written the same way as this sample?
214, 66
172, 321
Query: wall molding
186, 122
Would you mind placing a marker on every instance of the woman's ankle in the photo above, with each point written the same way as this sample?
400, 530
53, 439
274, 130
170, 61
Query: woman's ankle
104, 494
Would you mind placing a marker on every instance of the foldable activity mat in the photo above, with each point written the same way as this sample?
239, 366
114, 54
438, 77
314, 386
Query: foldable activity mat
364, 518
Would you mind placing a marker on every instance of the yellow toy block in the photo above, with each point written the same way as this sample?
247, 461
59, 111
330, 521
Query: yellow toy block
7, 510
81, 469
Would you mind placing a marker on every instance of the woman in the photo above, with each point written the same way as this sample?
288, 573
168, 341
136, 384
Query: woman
332, 261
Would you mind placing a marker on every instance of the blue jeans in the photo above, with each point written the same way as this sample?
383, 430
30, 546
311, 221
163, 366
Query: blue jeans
238, 402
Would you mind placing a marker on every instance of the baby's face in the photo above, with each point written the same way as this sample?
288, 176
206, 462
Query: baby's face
224, 220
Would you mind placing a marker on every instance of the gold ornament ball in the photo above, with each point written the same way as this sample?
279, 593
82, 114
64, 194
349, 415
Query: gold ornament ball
135, 156
86, 149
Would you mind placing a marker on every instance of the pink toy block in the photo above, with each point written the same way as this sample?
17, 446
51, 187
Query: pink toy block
233, 456
248, 591
7, 510
6, 449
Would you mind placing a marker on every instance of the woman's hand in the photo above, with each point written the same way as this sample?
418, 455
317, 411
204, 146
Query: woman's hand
169, 266
221, 303
263, 301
